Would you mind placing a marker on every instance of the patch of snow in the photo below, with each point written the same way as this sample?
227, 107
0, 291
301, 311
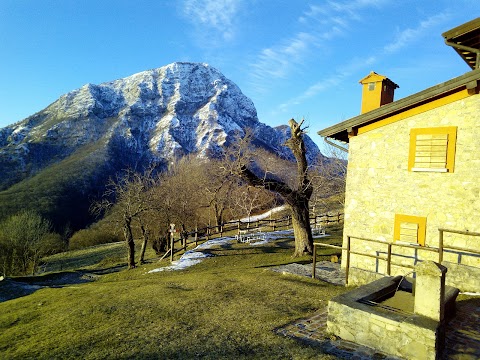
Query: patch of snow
193, 257
264, 215
188, 259
470, 293
271, 236
20, 128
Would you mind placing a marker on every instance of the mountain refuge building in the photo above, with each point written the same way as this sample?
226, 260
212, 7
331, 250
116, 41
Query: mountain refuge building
413, 178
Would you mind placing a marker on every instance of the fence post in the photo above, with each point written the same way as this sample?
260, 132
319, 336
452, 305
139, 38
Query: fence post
172, 245
221, 230
440, 246
389, 259
314, 262
196, 235
347, 265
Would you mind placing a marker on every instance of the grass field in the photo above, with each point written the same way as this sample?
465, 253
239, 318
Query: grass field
226, 307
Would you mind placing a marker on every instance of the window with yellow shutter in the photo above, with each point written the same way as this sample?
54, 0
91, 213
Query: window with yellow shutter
432, 149
410, 229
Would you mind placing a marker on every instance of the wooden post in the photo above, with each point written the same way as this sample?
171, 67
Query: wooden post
347, 265
440, 246
389, 259
196, 235
172, 246
314, 262
184, 236
221, 230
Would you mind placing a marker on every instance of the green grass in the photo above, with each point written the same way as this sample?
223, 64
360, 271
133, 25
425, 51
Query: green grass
225, 307
89, 258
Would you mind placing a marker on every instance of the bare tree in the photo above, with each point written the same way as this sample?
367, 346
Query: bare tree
297, 197
127, 197
328, 179
248, 198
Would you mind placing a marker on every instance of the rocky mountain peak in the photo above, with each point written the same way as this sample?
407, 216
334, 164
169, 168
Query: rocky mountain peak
167, 112
152, 116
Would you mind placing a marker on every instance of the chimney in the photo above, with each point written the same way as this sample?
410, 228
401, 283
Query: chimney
377, 90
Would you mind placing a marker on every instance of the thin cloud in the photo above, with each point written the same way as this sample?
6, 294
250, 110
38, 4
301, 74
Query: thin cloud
276, 61
407, 36
328, 82
339, 10
322, 24
212, 16
403, 39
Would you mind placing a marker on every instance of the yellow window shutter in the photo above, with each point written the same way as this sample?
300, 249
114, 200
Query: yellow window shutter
432, 149
410, 229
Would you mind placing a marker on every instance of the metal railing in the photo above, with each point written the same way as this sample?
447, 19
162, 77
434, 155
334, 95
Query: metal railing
388, 257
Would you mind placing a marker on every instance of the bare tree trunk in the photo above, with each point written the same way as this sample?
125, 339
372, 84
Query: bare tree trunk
302, 230
297, 199
127, 233
218, 216
34, 266
300, 209
144, 244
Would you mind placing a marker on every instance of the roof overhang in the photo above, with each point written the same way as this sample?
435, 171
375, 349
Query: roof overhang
465, 39
342, 131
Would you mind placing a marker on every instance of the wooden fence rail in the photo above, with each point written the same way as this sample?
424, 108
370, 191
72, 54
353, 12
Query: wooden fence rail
205, 233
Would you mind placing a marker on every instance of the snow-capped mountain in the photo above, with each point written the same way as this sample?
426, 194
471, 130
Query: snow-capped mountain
152, 116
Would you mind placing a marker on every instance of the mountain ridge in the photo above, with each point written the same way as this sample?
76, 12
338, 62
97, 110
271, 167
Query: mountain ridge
154, 116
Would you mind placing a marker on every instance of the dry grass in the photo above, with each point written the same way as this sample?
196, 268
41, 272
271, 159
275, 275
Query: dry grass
226, 307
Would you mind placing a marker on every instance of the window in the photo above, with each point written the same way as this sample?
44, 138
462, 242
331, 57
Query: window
371, 86
410, 229
432, 149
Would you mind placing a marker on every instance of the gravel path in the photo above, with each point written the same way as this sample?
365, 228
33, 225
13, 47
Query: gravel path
325, 271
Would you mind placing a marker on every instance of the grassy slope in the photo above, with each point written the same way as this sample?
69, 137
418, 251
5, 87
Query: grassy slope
225, 307
60, 191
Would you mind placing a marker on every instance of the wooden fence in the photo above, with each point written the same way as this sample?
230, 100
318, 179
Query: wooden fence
264, 225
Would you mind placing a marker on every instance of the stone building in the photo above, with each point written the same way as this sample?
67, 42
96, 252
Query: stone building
413, 179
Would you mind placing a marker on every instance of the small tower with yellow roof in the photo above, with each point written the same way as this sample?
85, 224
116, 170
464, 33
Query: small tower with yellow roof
377, 90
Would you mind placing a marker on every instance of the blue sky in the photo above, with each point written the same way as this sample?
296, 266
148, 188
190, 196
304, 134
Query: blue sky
293, 58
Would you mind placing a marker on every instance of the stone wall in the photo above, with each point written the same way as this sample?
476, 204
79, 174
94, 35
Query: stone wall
379, 186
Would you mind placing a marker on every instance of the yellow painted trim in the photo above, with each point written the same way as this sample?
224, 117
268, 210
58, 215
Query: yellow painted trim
415, 111
422, 226
451, 131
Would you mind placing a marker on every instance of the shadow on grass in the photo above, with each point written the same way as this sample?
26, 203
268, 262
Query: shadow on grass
293, 261
12, 288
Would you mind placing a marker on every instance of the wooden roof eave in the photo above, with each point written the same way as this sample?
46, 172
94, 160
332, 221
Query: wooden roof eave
465, 40
341, 130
